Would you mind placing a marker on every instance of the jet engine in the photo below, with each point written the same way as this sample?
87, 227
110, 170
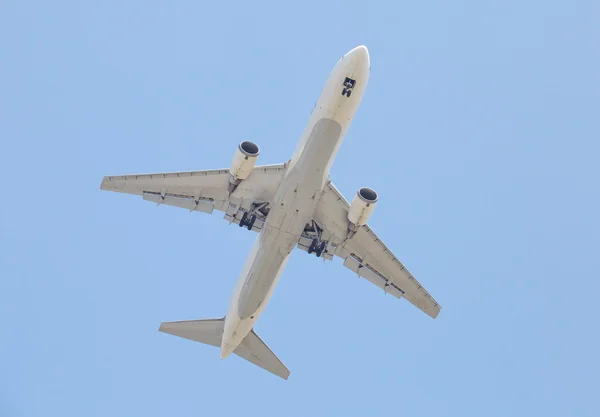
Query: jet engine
362, 206
243, 161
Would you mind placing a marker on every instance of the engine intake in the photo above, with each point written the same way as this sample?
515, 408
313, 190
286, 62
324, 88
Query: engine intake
362, 206
244, 160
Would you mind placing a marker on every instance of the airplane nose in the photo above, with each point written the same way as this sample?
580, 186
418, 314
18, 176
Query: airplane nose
360, 55
360, 51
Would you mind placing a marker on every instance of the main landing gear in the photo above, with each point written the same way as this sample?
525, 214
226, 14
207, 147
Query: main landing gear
257, 210
317, 247
348, 86
247, 220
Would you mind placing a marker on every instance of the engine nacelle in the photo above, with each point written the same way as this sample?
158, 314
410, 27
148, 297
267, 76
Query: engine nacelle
362, 206
243, 161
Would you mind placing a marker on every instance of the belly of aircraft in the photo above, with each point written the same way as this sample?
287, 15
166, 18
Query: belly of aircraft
265, 271
291, 209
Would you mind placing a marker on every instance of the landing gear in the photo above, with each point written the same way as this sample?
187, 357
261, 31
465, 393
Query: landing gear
243, 219
317, 247
251, 222
311, 248
247, 220
321, 248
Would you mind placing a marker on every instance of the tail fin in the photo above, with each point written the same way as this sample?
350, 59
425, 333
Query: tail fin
210, 332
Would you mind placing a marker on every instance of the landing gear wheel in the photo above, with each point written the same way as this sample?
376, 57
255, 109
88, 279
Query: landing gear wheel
313, 246
322, 247
349, 92
251, 222
243, 219
344, 91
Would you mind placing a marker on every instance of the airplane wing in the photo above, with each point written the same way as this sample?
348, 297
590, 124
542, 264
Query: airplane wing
203, 191
366, 255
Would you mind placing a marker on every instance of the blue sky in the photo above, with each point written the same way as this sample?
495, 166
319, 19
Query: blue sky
480, 130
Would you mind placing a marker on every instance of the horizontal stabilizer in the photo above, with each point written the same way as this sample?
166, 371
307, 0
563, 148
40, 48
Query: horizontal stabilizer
254, 350
210, 332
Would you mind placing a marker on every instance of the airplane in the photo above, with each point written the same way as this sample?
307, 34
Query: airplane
289, 205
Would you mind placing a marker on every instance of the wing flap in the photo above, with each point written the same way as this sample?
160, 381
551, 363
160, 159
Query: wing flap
181, 201
371, 275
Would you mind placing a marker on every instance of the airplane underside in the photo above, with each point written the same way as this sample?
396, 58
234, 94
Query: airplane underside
290, 205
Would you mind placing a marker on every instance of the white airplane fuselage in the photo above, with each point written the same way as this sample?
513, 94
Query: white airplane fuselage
297, 196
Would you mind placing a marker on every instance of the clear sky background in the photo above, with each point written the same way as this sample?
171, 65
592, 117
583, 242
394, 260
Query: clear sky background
480, 129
